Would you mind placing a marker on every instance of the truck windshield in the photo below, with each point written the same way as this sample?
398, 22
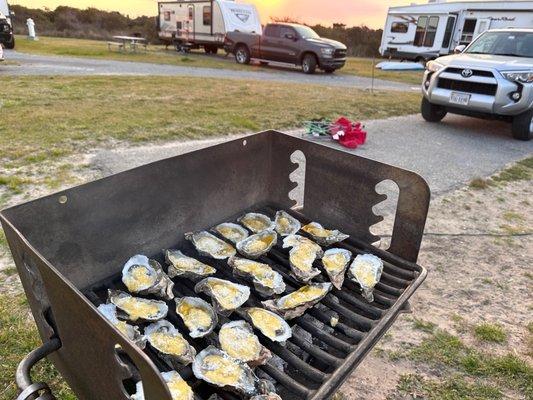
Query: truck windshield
306, 33
513, 44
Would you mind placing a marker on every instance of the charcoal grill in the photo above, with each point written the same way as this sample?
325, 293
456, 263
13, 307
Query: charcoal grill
69, 249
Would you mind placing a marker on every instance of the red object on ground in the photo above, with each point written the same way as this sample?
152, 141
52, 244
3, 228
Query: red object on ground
349, 134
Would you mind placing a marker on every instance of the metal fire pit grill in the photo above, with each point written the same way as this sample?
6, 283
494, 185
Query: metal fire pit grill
69, 248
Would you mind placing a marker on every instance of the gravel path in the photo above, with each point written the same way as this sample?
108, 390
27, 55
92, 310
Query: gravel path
32, 64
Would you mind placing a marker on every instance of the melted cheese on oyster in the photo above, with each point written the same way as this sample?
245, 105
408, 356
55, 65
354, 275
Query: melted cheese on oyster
213, 246
230, 233
239, 343
255, 223
303, 256
179, 389
259, 244
284, 224
168, 344
261, 272
225, 294
334, 262
136, 308
301, 296
194, 316
139, 278
365, 274
222, 371
122, 327
268, 323
189, 264
316, 231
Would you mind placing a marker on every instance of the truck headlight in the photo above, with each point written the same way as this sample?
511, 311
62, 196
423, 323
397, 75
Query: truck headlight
327, 52
519, 76
434, 66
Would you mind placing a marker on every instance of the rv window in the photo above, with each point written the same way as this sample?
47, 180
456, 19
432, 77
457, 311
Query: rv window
420, 31
468, 31
207, 15
399, 27
431, 31
272, 30
167, 15
448, 32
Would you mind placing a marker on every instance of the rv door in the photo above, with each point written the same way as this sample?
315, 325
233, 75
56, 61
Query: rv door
448, 34
482, 25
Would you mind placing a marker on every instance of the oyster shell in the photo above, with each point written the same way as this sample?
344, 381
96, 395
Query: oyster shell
266, 281
218, 368
109, 311
230, 231
366, 270
169, 343
209, 245
142, 275
225, 295
270, 324
325, 237
286, 224
303, 254
296, 303
185, 266
238, 340
256, 222
270, 396
179, 389
255, 246
197, 315
137, 309
335, 262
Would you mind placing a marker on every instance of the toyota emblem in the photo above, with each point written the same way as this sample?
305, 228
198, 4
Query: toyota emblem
467, 73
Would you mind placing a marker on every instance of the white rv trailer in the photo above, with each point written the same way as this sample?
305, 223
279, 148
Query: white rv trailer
426, 31
204, 23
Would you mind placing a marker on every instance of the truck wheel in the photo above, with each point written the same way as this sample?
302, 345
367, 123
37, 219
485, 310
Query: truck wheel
309, 64
11, 44
432, 112
242, 55
523, 126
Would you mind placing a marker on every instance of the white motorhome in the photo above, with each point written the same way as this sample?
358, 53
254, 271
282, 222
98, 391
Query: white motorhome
7, 38
426, 31
204, 23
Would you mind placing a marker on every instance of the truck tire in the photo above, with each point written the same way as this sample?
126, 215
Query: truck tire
523, 126
210, 49
309, 63
242, 54
11, 44
432, 112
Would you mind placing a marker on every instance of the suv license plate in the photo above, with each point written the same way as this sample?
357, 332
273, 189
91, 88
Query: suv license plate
459, 98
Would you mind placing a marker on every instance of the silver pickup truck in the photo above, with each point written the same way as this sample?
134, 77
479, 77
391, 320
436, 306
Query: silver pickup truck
491, 78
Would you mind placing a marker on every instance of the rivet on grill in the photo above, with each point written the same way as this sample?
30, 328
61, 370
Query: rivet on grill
244, 142
62, 199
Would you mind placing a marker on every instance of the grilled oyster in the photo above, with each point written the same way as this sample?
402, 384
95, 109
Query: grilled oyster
187, 267
109, 311
296, 303
209, 245
232, 232
256, 222
169, 343
335, 262
270, 396
238, 340
266, 281
270, 324
179, 389
256, 245
303, 254
323, 236
137, 309
142, 275
286, 224
197, 315
218, 368
225, 295
366, 270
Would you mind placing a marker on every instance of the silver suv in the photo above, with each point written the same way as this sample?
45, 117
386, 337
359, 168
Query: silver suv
491, 78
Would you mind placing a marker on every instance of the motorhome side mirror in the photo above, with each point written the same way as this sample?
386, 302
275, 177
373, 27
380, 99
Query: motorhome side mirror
459, 49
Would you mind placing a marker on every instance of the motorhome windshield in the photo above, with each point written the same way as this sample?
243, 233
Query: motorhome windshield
513, 44
306, 33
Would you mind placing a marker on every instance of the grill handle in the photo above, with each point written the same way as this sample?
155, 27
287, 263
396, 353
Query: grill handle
30, 390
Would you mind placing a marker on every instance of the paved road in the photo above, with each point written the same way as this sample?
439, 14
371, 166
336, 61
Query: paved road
31, 64
447, 155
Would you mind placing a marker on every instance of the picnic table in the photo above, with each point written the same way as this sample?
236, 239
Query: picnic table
127, 43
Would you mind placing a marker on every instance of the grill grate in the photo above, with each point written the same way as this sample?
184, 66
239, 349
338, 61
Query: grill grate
316, 350
468, 87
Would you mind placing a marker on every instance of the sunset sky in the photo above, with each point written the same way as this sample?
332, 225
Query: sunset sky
351, 12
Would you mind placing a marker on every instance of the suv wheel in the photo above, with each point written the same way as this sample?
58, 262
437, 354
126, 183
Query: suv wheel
11, 44
309, 64
523, 126
242, 55
432, 112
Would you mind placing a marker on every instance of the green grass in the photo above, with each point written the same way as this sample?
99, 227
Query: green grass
13, 183
424, 326
479, 183
157, 54
490, 333
521, 171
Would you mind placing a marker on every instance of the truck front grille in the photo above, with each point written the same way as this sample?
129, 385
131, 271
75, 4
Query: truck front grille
467, 86
475, 72
339, 53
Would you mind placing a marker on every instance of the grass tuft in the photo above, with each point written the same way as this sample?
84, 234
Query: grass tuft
490, 333
521, 171
479, 184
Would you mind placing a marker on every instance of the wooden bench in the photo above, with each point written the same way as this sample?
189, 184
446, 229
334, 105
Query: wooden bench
136, 45
119, 45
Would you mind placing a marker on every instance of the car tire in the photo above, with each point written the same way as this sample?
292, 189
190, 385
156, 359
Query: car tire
432, 112
11, 44
242, 55
523, 126
309, 64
